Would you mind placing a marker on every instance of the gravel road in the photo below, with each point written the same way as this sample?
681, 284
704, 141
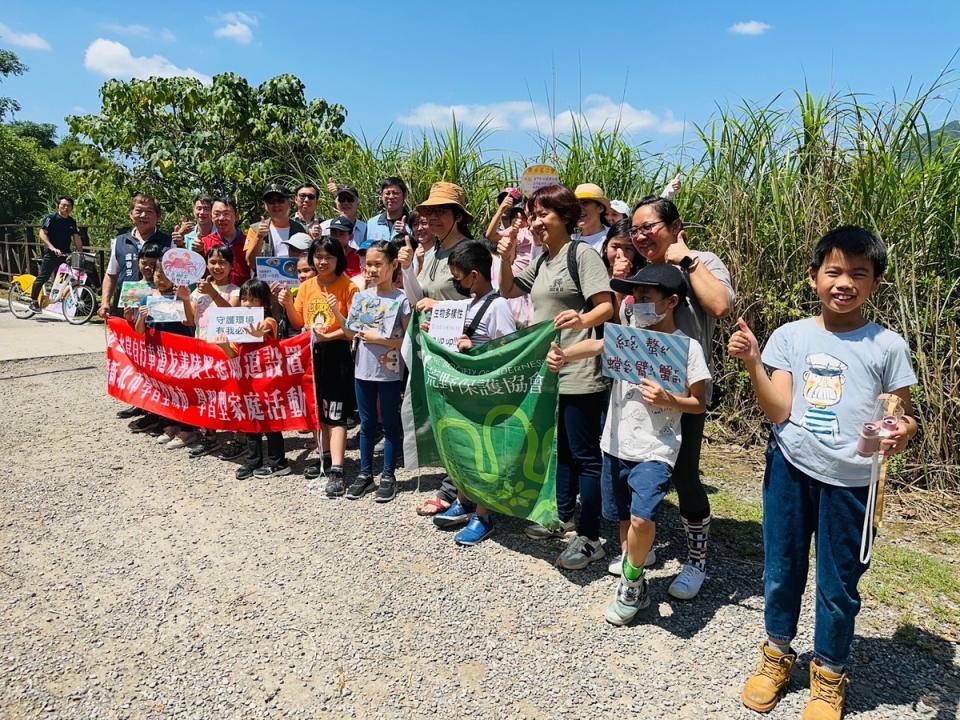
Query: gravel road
135, 582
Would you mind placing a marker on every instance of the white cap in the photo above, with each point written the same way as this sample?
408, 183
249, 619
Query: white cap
620, 206
301, 241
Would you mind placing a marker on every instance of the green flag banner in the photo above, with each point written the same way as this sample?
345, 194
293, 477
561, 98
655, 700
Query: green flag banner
488, 417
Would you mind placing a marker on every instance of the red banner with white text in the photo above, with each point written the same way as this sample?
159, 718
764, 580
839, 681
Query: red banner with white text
268, 387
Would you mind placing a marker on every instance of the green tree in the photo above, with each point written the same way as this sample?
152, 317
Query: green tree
45, 134
9, 65
29, 181
175, 136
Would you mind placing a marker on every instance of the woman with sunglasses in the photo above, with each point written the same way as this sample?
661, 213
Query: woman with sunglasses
657, 234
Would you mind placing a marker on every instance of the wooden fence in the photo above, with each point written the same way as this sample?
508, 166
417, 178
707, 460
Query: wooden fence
20, 247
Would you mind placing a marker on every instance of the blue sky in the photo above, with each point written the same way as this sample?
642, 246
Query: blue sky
407, 64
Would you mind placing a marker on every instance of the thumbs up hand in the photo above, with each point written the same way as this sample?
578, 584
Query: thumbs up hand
555, 358
621, 265
332, 186
405, 256
507, 248
743, 344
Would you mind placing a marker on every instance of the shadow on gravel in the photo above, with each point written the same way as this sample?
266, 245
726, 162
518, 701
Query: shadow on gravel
910, 668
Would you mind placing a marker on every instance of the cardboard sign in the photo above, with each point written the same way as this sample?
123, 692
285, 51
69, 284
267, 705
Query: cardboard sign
372, 312
633, 354
164, 309
447, 320
229, 324
183, 267
281, 270
538, 176
133, 292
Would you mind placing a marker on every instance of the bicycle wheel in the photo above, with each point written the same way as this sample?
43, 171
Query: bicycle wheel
79, 305
19, 302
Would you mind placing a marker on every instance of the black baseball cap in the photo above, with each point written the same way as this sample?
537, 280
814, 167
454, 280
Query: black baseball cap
348, 190
663, 276
342, 223
274, 189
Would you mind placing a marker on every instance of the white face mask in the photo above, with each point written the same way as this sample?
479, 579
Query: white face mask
645, 314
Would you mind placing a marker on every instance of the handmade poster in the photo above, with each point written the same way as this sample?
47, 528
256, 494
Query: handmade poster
266, 388
133, 292
371, 312
183, 267
633, 354
164, 309
488, 417
447, 320
59, 288
230, 324
538, 176
281, 270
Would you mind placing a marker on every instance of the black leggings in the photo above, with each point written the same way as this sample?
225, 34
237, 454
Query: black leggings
48, 268
694, 503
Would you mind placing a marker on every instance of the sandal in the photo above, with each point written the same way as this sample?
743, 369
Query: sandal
433, 506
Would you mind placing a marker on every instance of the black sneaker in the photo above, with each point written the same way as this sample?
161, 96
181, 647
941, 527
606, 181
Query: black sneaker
130, 412
334, 486
230, 450
313, 470
143, 424
204, 447
245, 471
269, 471
35, 308
360, 486
387, 489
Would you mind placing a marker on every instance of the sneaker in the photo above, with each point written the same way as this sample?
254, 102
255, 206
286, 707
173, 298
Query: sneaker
314, 470
828, 693
230, 450
335, 486
687, 584
34, 307
269, 471
206, 446
361, 485
457, 514
143, 424
130, 412
632, 597
181, 441
477, 530
165, 438
763, 689
387, 489
616, 564
566, 531
580, 552
245, 471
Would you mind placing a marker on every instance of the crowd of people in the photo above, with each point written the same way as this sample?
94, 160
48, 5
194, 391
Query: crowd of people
578, 260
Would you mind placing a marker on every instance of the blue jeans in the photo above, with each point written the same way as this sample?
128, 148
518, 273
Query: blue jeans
388, 393
796, 507
579, 460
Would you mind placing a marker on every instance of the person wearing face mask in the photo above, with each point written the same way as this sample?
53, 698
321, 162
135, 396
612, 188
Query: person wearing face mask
658, 235
642, 433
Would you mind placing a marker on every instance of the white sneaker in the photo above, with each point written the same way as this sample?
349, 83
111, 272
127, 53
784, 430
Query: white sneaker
181, 441
164, 439
687, 584
616, 564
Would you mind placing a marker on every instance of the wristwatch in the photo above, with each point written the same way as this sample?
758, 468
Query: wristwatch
687, 264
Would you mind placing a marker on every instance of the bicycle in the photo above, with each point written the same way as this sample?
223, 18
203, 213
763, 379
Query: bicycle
73, 289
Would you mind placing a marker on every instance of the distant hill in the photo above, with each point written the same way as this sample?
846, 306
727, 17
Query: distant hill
948, 135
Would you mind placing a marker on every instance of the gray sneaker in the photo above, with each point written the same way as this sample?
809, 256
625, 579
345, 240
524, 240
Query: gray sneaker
616, 564
538, 532
580, 552
632, 597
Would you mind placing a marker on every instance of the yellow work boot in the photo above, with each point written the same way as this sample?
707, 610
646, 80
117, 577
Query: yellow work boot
762, 690
828, 692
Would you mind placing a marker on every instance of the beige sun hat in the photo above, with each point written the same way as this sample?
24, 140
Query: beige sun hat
447, 193
592, 191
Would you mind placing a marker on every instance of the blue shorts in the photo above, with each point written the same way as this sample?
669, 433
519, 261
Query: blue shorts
633, 488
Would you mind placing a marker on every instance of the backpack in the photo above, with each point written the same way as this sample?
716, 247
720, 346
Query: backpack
475, 323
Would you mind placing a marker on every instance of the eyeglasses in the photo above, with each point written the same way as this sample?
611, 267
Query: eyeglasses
644, 229
345, 199
306, 196
275, 200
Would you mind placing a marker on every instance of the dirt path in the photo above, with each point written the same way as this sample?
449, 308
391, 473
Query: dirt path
135, 582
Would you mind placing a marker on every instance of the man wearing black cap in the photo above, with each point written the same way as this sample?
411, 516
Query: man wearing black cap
348, 205
268, 237
641, 435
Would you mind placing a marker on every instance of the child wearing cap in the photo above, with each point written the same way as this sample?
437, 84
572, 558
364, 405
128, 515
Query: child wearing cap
641, 435
826, 373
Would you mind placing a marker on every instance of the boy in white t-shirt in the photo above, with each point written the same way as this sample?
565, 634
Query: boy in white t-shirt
641, 436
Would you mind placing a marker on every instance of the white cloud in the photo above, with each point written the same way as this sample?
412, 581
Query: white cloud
140, 31
114, 60
599, 112
31, 41
237, 26
753, 27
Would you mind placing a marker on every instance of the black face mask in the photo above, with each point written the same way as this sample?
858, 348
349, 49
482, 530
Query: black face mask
460, 288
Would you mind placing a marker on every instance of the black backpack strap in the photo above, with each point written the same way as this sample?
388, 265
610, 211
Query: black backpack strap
572, 267
475, 323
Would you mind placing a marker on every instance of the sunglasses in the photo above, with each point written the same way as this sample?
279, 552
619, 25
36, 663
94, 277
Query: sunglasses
306, 196
275, 200
344, 199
